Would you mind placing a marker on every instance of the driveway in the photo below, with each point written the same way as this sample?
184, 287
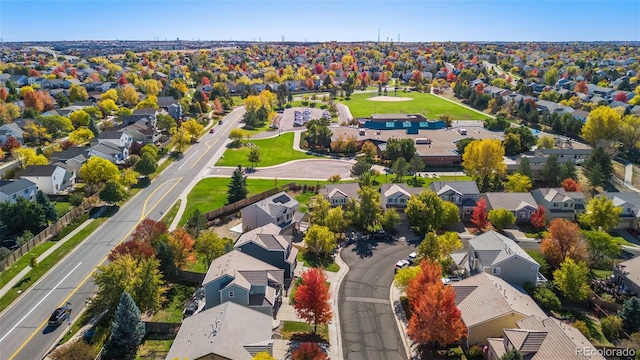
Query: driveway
369, 329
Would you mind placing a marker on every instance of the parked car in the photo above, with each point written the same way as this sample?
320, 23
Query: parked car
412, 257
401, 265
380, 234
634, 232
57, 317
450, 279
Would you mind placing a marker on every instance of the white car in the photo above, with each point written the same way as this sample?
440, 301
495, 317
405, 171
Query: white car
401, 265
412, 257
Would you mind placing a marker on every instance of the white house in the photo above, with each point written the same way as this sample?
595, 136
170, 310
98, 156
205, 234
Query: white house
11, 190
11, 130
397, 195
51, 179
278, 209
108, 151
117, 138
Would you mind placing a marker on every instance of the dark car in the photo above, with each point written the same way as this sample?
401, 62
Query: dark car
57, 317
380, 235
219, 122
10, 244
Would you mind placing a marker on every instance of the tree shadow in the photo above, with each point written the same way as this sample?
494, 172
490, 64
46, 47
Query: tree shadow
24, 280
365, 248
49, 329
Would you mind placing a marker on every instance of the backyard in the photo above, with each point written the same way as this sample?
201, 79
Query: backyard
273, 151
428, 105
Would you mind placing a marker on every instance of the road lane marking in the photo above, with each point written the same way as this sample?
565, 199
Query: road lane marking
205, 152
40, 302
101, 262
184, 162
366, 300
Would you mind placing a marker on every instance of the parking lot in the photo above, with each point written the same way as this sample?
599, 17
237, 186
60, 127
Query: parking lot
288, 117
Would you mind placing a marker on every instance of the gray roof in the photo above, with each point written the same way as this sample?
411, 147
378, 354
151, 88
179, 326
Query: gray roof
462, 187
493, 248
510, 201
267, 236
631, 269
350, 190
387, 190
110, 135
39, 170
15, 186
559, 194
566, 152
485, 297
12, 127
229, 330
236, 262
165, 101
277, 204
107, 148
622, 198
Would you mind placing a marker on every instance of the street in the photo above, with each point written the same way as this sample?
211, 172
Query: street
24, 333
368, 325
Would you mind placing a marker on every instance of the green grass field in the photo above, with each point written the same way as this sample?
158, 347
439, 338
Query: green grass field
429, 105
211, 193
273, 151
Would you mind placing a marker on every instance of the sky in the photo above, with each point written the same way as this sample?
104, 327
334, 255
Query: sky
319, 21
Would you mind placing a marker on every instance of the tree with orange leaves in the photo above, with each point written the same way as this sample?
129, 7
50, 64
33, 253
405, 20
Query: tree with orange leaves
3, 93
435, 317
33, 100
570, 185
308, 351
563, 240
538, 217
310, 84
137, 249
148, 231
181, 244
311, 301
582, 87
479, 215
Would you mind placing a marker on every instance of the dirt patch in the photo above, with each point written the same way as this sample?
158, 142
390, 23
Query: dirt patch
222, 228
389, 98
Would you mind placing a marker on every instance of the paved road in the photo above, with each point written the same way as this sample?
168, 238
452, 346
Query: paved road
23, 332
369, 330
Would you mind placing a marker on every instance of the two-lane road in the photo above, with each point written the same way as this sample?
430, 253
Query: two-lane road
24, 333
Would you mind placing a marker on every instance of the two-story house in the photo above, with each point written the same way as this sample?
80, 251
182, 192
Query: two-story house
51, 179
267, 244
339, 194
629, 202
108, 151
578, 156
559, 204
279, 209
627, 275
141, 133
462, 193
496, 254
521, 205
244, 280
11, 130
11, 190
116, 138
397, 195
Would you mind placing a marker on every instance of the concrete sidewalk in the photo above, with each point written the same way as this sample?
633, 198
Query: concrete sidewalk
5, 289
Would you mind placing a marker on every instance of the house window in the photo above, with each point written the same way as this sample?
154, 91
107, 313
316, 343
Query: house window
555, 204
534, 267
402, 201
231, 294
523, 215
566, 204
495, 271
26, 191
391, 200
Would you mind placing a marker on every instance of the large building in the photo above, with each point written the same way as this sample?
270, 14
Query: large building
411, 123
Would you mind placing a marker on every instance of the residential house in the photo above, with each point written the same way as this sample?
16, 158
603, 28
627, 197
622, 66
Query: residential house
543, 338
51, 179
11, 190
559, 203
11, 130
545, 106
500, 256
578, 156
339, 194
141, 133
245, 280
280, 209
629, 202
581, 115
150, 114
489, 304
462, 193
226, 331
115, 138
397, 195
108, 151
627, 275
521, 205
267, 244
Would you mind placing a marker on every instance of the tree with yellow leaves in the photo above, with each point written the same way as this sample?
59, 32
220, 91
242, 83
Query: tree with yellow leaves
150, 102
484, 158
180, 138
268, 99
111, 94
128, 95
28, 156
193, 128
602, 125
152, 87
81, 136
252, 103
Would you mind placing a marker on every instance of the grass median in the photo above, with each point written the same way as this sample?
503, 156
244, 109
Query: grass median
50, 261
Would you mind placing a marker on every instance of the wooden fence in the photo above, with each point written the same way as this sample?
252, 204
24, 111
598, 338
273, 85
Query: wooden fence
603, 307
156, 330
187, 278
236, 206
53, 230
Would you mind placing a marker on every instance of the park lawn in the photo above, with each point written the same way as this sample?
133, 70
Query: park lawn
428, 105
273, 151
290, 328
211, 193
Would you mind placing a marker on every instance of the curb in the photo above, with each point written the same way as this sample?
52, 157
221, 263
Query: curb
335, 289
402, 327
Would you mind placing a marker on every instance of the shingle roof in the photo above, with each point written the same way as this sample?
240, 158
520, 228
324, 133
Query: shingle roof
277, 204
510, 201
107, 148
526, 341
484, 297
110, 135
236, 261
229, 330
559, 194
38, 170
622, 198
631, 268
15, 186
463, 187
493, 248
350, 190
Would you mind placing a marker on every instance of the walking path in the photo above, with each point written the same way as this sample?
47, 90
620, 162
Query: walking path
5, 289
287, 313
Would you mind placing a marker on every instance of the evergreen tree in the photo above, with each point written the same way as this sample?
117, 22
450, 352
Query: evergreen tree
568, 171
165, 255
50, 212
127, 328
238, 186
595, 176
630, 315
551, 171
601, 157
524, 168
513, 354
93, 127
196, 223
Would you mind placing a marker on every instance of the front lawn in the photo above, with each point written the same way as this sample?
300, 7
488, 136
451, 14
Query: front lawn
299, 330
311, 260
273, 151
428, 105
211, 193
424, 182
620, 239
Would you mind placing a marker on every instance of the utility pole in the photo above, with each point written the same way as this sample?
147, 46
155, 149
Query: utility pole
378, 34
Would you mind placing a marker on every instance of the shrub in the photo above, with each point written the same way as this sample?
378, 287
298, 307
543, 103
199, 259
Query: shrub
4, 252
583, 328
611, 327
312, 105
475, 352
305, 103
78, 350
288, 106
547, 299
76, 199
